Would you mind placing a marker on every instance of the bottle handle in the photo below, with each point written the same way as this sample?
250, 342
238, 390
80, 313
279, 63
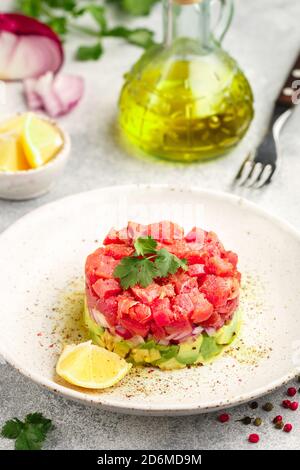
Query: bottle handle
225, 18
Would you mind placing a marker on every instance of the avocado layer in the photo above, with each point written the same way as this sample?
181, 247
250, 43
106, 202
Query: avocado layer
202, 350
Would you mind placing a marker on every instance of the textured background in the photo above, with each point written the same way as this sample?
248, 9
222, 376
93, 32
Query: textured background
265, 39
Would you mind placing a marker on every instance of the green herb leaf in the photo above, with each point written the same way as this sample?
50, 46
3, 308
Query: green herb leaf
29, 434
166, 263
97, 12
141, 37
59, 25
145, 246
138, 7
133, 270
89, 52
67, 5
30, 7
12, 428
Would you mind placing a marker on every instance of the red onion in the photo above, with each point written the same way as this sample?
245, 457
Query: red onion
56, 95
28, 48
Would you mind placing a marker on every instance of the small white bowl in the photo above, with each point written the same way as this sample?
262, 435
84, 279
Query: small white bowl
29, 184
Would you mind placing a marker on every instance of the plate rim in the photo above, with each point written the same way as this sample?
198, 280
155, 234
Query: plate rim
157, 409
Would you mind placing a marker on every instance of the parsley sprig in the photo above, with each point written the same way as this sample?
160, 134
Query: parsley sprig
29, 434
146, 264
64, 17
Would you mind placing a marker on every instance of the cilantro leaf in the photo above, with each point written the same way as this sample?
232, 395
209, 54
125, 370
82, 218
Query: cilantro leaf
145, 246
141, 37
132, 271
146, 264
89, 52
12, 428
30, 434
40, 421
140, 7
97, 12
59, 25
167, 263
29, 438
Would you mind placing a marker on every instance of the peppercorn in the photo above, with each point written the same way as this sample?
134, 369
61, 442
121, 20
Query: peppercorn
253, 438
246, 420
291, 391
224, 418
286, 403
298, 378
253, 405
294, 406
257, 422
267, 406
277, 419
287, 427
279, 425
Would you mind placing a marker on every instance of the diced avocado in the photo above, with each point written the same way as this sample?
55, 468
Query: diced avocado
189, 351
227, 334
147, 345
122, 348
168, 352
209, 347
170, 364
141, 356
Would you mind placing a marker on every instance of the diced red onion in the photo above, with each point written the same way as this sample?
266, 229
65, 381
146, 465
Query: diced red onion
210, 331
136, 340
100, 318
55, 95
197, 330
28, 48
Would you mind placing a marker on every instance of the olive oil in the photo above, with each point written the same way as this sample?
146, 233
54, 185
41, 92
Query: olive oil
186, 110
186, 99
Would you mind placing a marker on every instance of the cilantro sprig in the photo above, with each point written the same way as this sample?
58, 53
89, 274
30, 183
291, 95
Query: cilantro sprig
29, 434
146, 264
65, 16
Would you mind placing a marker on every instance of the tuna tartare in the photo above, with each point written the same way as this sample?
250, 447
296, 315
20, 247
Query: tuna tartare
176, 304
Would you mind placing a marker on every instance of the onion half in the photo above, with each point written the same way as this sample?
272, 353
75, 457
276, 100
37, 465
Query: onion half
28, 48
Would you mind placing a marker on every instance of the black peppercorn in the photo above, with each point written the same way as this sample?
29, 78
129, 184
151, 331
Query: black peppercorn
279, 425
253, 405
267, 406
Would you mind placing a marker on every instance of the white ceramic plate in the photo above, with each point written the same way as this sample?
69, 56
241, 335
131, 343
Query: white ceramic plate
41, 283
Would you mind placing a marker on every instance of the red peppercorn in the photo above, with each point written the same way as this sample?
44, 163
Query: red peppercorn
253, 438
286, 403
294, 406
287, 427
224, 418
277, 419
291, 391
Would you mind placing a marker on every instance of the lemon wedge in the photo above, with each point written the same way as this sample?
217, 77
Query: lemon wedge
12, 156
90, 366
40, 139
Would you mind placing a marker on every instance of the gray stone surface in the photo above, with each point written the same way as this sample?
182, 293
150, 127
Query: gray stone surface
265, 39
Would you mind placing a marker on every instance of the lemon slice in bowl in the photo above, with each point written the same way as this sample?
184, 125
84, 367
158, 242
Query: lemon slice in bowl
40, 139
90, 366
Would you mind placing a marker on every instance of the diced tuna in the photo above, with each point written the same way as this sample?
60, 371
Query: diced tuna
106, 288
162, 313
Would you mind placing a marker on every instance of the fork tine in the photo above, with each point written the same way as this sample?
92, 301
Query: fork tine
259, 176
241, 170
268, 181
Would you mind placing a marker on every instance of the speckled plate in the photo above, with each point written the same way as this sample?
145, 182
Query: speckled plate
41, 290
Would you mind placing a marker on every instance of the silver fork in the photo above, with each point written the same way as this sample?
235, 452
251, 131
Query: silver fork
259, 166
